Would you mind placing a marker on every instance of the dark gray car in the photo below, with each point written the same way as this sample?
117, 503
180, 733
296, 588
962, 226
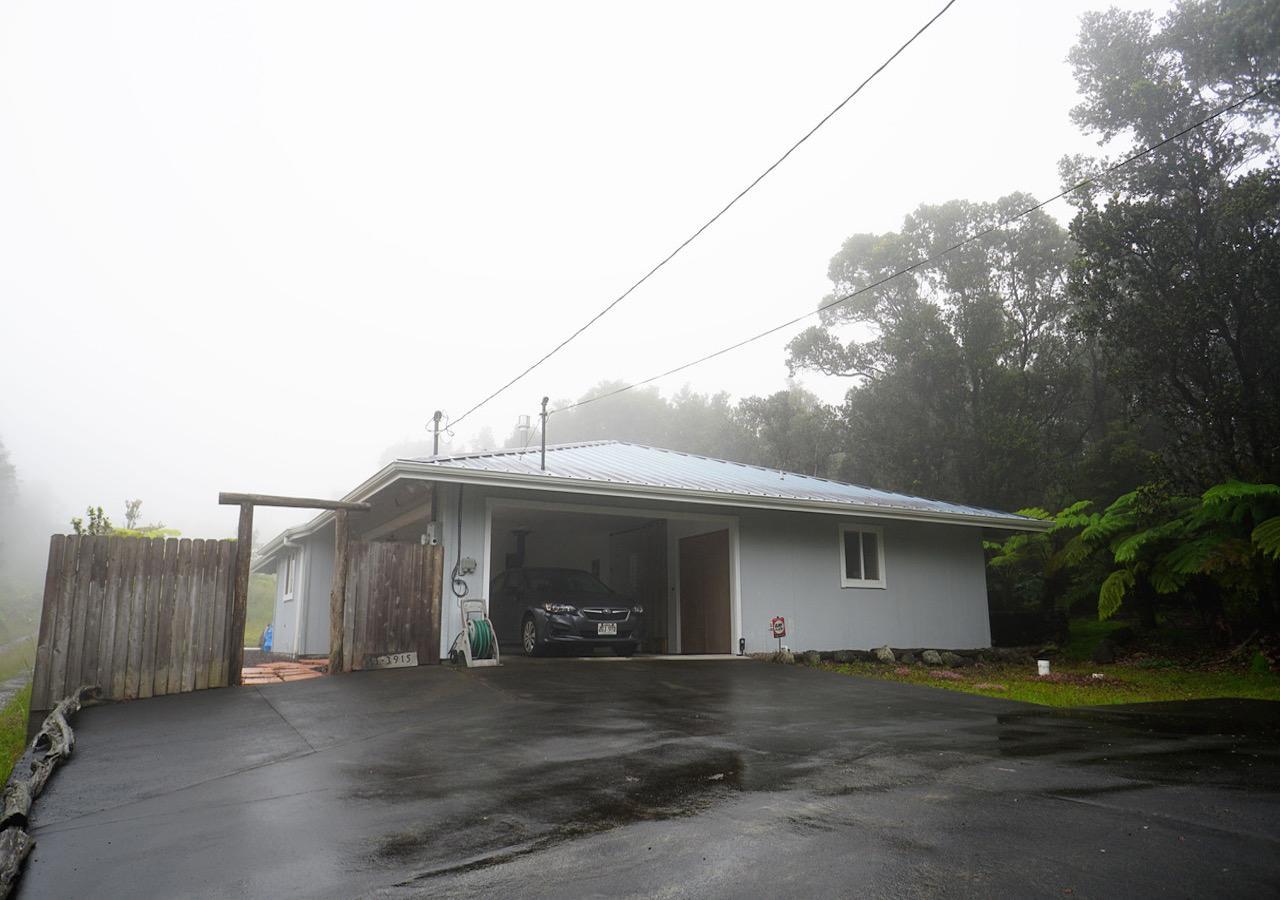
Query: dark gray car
542, 608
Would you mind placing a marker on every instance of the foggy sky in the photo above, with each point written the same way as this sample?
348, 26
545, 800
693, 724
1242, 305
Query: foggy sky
248, 246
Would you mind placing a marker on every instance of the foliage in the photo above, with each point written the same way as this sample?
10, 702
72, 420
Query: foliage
261, 607
967, 380
1179, 253
13, 730
132, 509
1219, 546
99, 523
1073, 685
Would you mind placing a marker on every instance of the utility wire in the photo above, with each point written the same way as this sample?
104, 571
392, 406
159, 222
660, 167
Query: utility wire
923, 262
691, 238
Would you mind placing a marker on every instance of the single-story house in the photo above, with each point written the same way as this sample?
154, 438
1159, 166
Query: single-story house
713, 549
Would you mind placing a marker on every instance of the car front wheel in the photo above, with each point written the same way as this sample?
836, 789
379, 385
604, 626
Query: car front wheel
529, 640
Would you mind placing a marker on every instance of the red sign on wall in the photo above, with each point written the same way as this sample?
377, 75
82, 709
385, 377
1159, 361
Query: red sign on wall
778, 627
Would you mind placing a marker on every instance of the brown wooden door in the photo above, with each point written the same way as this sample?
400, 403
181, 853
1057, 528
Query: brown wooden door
704, 593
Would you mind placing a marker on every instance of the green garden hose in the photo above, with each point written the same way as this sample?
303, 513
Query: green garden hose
480, 634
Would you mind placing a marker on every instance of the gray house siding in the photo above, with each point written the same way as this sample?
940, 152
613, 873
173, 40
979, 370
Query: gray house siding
314, 637
784, 564
282, 619
935, 592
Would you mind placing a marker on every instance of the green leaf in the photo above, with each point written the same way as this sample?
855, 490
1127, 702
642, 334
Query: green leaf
1240, 490
1112, 593
1266, 537
1190, 558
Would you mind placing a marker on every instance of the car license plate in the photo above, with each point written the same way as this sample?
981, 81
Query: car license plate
607, 628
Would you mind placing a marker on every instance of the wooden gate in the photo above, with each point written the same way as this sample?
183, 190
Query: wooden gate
135, 617
392, 604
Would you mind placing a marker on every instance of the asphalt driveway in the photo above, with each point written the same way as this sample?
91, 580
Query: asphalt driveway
648, 777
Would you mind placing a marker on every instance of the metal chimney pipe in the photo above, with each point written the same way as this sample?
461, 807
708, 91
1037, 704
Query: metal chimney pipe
544, 433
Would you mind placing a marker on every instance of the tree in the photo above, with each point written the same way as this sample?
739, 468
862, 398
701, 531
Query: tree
1178, 277
98, 522
131, 512
968, 381
791, 430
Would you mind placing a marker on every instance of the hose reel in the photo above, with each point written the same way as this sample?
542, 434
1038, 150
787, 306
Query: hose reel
477, 645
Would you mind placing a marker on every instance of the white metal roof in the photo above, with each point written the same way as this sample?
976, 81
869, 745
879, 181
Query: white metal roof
620, 464
619, 469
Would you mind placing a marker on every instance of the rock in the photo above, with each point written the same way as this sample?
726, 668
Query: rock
931, 658
782, 656
846, 656
884, 654
827, 655
906, 657
1105, 652
951, 660
811, 658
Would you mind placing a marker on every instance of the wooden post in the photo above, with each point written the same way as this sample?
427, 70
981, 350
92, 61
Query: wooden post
240, 596
338, 595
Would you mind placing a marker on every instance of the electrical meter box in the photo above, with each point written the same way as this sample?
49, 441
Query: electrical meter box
466, 566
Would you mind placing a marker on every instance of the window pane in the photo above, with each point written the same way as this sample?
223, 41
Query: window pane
852, 556
870, 556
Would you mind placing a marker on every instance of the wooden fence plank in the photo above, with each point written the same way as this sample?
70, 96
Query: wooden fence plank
218, 636
108, 589
181, 624
204, 616
137, 617
164, 616
84, 669
48, 622
116, 665
71, 552
151, 607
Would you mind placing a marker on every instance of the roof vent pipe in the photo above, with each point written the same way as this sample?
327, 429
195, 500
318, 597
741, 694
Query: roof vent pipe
544, 433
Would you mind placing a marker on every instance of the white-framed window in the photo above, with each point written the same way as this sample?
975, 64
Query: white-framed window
861, 556
290, 575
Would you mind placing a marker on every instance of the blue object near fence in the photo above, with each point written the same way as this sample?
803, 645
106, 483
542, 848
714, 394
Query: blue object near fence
266, 639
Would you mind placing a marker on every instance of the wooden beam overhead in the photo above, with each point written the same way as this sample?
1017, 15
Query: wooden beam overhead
232, 499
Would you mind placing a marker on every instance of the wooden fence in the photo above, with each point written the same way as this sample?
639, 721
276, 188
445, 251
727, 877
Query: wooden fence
392, 602
137, 617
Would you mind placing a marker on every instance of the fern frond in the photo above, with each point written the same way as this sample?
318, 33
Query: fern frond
1240, 490
1112, 592
1266, 537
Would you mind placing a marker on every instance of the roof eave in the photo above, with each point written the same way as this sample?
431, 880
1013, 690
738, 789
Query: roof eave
461, 475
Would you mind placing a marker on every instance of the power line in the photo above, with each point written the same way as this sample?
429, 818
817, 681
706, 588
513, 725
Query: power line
923, 262
691, 238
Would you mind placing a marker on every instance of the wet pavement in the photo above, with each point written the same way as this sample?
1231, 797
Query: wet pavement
645, 777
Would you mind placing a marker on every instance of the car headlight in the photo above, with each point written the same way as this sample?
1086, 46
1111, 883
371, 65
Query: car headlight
559, 608
638, 610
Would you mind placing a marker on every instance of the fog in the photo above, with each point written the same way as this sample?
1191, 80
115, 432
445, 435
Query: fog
250, 246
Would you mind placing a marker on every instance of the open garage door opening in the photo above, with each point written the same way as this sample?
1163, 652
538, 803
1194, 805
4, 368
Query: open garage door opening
572, 581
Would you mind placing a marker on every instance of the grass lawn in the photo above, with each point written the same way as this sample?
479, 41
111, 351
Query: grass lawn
1072, 684
13, 730
261, 607
17, 657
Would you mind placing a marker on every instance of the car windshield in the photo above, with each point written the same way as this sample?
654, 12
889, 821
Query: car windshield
568, 581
